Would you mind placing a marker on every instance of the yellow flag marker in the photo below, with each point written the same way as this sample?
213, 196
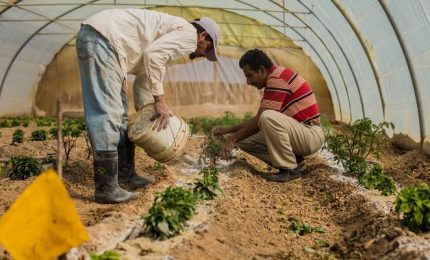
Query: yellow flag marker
43, 222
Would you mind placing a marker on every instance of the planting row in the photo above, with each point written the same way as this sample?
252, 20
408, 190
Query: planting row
205, 124
200, 124
25, 121
352, 149
176, 205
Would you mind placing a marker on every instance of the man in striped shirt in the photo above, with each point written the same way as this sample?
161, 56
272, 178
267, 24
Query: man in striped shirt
286, 126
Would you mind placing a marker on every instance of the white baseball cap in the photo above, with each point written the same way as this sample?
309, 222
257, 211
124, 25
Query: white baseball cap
212, 29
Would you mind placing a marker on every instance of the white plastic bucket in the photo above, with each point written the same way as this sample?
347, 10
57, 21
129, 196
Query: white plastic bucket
164, 145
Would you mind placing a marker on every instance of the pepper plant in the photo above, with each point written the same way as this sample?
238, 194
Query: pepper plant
205, 124
25, 121
53, 132
107, 255
45, 121
414, 203
169, 212
375, 178
157, 166
15, 122
362, 139
23, 167
207, 187
5, 122
211, 149
39, 135
301, 228
18, 136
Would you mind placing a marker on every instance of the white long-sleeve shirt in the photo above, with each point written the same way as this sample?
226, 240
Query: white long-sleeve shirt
145, 41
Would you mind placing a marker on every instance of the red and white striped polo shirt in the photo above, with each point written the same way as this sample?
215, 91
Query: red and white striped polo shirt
287, 92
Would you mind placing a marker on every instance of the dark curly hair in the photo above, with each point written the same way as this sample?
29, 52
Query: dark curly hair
255, 58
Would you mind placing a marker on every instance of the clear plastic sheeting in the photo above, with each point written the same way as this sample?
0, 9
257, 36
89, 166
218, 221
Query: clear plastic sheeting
390, 64
413, 23
190, 72
380, 48
373, 54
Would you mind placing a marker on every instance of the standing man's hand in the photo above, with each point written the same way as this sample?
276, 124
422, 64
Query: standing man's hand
162, 113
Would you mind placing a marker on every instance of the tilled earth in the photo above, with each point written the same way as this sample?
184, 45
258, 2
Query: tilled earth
252, 218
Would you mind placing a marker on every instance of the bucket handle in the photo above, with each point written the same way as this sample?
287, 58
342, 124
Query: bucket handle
174, 139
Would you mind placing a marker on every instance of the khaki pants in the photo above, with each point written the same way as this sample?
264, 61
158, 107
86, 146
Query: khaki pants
281, 138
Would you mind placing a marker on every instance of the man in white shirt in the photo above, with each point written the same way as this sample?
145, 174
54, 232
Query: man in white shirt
112, 44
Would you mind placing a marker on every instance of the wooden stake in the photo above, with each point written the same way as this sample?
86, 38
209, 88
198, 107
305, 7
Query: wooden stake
59, 139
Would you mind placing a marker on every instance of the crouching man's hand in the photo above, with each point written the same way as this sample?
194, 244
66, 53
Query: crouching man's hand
219, 130
227, 147
162, 114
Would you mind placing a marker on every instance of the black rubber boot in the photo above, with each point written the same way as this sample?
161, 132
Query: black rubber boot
107, 190
126, 171
285, 175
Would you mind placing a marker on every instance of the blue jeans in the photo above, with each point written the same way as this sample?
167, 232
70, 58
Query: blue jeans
105, 100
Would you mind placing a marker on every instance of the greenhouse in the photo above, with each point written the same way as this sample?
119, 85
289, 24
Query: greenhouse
367, 63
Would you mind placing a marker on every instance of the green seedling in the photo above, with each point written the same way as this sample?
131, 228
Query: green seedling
206, 188
39, 135
169, 212
375, 178
49, 162
414, 203
107, 255
25, 121
15, 122
326, 197
158, 166
326, 126
18, 136
5, 122
211, 149
23, 167
302, 228
363, 138
53, 132
45, 121
205, 124
322, 243
71, 133
320, 253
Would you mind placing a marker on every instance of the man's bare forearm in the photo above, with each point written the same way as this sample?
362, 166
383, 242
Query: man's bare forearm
235, 128
247, 129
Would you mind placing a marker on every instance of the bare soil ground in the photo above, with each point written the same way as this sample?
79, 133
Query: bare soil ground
252, 218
